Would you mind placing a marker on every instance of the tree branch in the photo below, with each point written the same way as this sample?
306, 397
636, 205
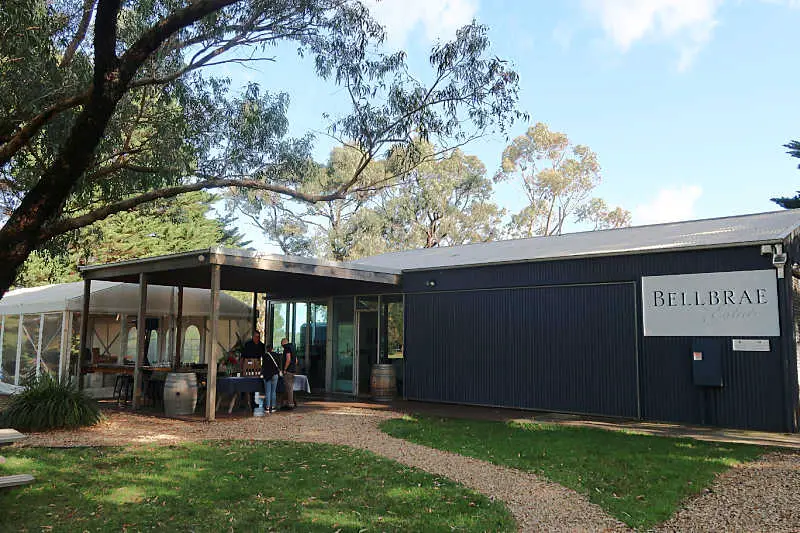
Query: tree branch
64, 225
19, 139
80, 35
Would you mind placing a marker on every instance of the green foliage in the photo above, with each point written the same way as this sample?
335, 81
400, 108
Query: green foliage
558, 178
442, 199
169, 128
793, 202
237, 486
46, 403
180, 225
639, 479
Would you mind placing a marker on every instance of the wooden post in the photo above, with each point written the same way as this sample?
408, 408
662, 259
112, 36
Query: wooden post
141, 329
255, 315
179, 329
84, 341
267, 337
213, 346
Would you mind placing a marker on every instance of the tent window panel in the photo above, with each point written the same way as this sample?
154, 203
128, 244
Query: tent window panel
106, 340
152, 348
51, 343
191, 345
9, 363
30, 340
130, 352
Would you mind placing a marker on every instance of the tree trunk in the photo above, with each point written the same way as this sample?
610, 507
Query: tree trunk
21, 235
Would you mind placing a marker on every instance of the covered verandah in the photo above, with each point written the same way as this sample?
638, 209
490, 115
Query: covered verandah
276, 277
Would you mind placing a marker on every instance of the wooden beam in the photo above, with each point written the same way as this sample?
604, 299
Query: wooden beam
213, 346
150, 265
179, 329
84, 340
141, 329
309, 267
255, 315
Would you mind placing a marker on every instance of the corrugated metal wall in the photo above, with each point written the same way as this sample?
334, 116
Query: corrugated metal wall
444, 322
569, 348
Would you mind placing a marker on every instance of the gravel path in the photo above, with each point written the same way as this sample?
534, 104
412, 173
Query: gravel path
536, 504
760, 496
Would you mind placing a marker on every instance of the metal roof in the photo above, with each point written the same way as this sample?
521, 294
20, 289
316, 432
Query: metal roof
761, 228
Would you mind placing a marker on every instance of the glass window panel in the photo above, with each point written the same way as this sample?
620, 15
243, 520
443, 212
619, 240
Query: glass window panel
152, 348
191, 345
300, 334
279, 322
106, 341
366, 303
30, 338
392, 336
130, 350
318, 328
391, 327
9, 364
51, 343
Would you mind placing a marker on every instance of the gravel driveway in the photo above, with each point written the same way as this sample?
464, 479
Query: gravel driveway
759, 496
536, 504
763, 495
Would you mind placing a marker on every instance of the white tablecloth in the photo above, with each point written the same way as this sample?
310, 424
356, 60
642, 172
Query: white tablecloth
301, 383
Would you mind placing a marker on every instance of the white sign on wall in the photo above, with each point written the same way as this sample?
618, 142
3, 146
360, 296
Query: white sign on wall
716, 304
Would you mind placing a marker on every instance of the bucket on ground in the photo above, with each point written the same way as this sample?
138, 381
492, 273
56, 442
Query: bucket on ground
180, 394
382, 383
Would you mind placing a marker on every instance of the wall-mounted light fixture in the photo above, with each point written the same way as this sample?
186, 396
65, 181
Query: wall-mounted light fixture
779, 257
430, 283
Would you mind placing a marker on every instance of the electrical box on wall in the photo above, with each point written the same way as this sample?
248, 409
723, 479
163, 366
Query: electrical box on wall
707, 362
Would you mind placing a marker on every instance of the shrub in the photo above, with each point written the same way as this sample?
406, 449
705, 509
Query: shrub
46, 402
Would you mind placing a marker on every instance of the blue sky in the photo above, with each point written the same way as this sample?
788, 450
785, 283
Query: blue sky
686, 102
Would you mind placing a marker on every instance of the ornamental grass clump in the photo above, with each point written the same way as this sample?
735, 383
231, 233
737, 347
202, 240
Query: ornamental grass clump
49, 403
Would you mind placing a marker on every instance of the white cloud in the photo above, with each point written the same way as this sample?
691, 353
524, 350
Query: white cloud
439, 19
669, 205
688, 24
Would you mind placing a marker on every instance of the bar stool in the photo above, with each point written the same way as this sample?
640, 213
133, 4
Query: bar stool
123, 388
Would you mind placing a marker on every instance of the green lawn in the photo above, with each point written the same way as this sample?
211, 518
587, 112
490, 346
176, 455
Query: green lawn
241, 486
639, 479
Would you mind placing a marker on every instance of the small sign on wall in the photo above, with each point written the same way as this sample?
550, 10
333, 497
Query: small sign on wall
715, 304
751, 345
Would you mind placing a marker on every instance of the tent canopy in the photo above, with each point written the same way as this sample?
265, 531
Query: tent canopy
115, 297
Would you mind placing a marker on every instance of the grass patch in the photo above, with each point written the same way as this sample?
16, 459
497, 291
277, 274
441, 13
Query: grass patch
239, 485
639, 479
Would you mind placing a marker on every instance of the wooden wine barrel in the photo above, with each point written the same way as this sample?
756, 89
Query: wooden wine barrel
180, 393
382, 383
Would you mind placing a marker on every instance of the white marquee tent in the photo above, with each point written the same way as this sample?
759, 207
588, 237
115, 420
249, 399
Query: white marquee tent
39, 327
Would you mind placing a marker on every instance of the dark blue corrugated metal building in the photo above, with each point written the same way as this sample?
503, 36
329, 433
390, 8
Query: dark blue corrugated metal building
557, 323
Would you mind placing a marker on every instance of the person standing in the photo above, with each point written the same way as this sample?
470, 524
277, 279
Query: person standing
270, 370
289, 370
254, 348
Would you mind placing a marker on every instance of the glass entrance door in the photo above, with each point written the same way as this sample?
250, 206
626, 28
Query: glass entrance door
343, 344
367, 340
367, 347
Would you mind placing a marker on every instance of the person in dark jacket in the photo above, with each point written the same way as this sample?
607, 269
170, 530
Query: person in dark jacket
254, 348
270, 371
289, 368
